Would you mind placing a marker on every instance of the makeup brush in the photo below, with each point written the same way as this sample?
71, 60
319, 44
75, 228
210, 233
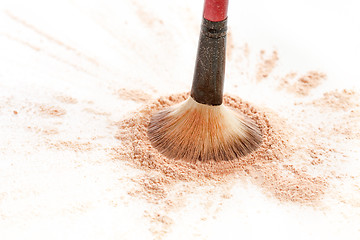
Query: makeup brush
201, 128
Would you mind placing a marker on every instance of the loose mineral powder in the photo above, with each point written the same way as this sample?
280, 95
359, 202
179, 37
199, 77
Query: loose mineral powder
265, 166
75, 156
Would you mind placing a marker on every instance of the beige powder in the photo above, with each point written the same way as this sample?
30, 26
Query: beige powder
52, 111
266, 165
266, 65
338, 100
282, 167
66, 99
301, 85
75, 146
135, 95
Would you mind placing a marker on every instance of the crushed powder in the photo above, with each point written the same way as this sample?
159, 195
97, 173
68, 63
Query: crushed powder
266, 166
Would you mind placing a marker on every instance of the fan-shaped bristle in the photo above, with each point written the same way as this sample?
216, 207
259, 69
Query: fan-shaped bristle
194, 131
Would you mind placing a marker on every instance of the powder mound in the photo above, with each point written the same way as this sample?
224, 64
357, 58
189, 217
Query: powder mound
133, 134
266, 167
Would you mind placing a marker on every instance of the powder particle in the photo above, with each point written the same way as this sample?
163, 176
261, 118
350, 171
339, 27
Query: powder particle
266, 65
266, 165
303, 84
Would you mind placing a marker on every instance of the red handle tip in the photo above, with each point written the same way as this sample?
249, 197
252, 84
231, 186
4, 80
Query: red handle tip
216, 10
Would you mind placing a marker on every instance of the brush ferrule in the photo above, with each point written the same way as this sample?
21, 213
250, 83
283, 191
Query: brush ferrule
208, 82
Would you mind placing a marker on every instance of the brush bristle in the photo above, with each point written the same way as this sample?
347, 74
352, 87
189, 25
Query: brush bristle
194, 131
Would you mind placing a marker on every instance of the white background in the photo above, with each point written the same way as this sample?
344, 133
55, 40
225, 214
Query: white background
88, 50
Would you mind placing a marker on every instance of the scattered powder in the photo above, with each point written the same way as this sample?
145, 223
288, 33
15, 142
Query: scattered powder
52, 111
160, 222
229, 44
75, 146
303, 84
133, 95
266, 166
337, 100
340, 110
43, 130
95, 112
266, 65
67, 99
146, 16
348, 125
153, 187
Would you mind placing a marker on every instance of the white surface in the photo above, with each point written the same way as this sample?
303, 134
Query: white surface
90, 49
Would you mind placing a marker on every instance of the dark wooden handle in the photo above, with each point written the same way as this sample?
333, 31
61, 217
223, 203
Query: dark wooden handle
208, 82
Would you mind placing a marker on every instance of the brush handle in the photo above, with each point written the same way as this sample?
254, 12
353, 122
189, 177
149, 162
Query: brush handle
208, 82
215, 10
